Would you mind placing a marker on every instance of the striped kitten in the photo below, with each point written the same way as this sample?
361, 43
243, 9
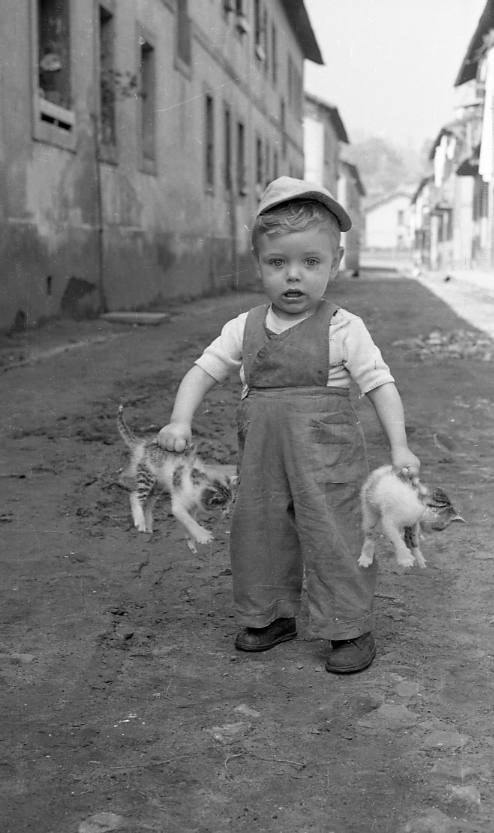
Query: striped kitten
193, 486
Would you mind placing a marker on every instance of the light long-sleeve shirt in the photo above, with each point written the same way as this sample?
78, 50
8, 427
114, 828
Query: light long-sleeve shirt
352, 352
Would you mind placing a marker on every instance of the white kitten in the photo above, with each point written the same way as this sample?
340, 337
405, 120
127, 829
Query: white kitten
401, 507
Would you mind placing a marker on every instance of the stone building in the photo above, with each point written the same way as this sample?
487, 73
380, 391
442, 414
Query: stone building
135, 139
351, 193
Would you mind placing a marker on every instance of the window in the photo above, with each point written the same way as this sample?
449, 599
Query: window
227, 148
259, 19
53, 117
480, 204
108, 78
275, 165
183, 33
241, 24
209, 142
274, 55
147, 77
267, 157
283, 127
54, 52
259, 163
265, 38
241, 174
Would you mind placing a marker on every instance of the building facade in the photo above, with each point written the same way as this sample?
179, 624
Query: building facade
324, 132
135, 140
453, 207
351, 193
325, 136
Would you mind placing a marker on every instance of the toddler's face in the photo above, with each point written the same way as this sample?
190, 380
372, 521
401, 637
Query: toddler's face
296, 268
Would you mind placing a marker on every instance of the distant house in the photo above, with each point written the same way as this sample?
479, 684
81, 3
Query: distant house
420, 221
135, 140
387, 222
324, 136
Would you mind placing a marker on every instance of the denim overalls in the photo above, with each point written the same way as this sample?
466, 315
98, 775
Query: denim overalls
302, 463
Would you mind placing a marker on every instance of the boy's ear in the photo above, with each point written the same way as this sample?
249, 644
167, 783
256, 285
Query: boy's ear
336, 261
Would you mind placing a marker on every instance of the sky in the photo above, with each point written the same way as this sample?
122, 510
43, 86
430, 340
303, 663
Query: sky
390, 65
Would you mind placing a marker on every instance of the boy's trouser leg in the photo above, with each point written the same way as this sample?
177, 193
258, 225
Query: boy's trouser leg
266, 562
326, 465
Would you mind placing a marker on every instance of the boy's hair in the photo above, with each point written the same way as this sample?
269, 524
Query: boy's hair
294, 215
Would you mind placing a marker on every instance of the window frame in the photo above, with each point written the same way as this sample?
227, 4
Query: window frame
241, 158
227, 147
182, 16
51, 123
108, 151
147, 164
209, 141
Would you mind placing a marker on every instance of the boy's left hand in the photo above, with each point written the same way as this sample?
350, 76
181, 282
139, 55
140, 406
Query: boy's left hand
405, 461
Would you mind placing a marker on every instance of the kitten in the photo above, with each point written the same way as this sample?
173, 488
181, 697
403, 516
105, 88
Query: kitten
403, 507
194, 487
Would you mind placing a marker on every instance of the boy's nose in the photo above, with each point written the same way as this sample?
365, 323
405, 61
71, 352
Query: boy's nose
293, 273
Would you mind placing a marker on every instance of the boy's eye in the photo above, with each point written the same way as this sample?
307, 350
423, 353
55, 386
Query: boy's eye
276, 262
311, 261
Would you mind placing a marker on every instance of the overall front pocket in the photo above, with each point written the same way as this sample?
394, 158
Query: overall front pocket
338, 450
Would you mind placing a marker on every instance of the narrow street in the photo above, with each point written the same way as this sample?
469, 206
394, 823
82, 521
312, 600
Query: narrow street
124, 704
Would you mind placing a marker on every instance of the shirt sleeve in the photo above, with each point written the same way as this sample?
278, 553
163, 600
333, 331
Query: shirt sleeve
224, 354
362, 358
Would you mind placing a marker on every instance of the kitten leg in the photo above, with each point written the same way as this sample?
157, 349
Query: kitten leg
415, 546
367, 554
137, 512
139, 501
403, 555
196, 531
369, 523
148, 512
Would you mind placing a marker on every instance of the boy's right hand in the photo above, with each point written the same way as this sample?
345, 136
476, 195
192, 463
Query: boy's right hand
175, 436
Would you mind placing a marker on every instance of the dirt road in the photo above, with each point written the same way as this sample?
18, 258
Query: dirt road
125, 706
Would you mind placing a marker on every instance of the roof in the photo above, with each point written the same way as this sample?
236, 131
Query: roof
386, 198
333, 114
354, 172
302, 29
451, 129
468, 69
423, 182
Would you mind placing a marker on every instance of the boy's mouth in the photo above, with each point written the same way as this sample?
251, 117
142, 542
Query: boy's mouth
293, 293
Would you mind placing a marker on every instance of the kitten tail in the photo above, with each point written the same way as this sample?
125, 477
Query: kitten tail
125, 432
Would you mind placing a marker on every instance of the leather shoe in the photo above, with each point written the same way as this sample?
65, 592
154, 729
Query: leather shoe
262, 639
349, 655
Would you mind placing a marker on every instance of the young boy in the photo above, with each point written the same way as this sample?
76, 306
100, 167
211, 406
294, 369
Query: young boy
302, 457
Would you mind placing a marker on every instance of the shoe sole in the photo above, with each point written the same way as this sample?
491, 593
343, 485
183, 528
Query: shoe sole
285, 638
351, 669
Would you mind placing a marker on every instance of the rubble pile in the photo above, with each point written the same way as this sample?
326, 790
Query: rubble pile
453, 344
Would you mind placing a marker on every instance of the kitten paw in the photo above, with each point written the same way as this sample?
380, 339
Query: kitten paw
205, 537
406, 561
365, 560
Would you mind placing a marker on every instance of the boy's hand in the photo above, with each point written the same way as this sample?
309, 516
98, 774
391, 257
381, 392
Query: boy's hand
406, 462
175, 436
